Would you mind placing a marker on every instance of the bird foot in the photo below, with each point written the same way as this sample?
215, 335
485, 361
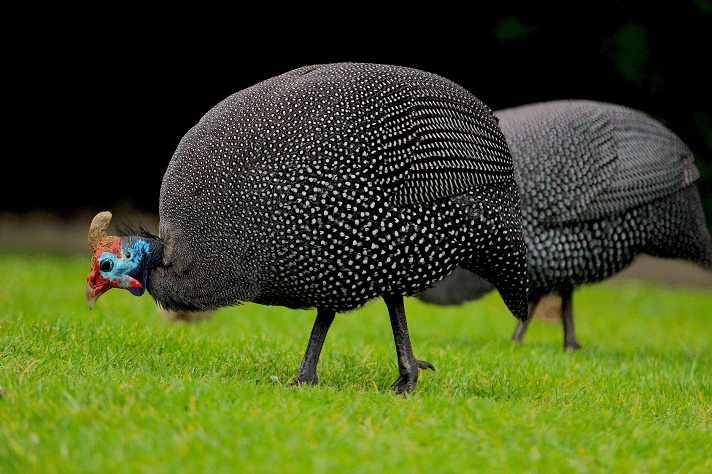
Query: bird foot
407, 380
572, 346
305, 380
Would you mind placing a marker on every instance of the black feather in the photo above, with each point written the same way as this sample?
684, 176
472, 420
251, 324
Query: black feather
124, 229
600, 184
333, 184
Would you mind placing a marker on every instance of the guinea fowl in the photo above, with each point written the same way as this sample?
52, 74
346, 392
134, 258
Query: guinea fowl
599, 184
326, 187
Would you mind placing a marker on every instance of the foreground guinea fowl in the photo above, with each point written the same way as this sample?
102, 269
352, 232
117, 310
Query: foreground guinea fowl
599, 184
326, 187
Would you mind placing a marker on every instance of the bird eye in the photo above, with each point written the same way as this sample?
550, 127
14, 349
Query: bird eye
106, 266
127, 255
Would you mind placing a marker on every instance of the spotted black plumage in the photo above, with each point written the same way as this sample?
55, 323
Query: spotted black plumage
600, 184
331, 185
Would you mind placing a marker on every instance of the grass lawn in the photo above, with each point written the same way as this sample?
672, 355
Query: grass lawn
119, 389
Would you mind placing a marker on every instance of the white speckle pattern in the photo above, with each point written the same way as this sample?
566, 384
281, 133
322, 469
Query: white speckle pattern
331, 185
599, 184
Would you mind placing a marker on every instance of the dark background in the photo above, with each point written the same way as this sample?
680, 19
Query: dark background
98, 100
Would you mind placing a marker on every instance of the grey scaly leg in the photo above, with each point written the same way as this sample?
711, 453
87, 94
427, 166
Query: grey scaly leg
307, 371
567, 316
408, 365
521, 329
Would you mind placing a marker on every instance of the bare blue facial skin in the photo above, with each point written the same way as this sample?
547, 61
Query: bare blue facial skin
121, 269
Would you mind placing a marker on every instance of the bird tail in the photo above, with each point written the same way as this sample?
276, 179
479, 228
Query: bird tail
457, 288
505, 266
702, 241
681, 228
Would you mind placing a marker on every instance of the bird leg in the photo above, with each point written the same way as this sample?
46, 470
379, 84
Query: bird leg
408, 365
567, 316
307, 371
522, 327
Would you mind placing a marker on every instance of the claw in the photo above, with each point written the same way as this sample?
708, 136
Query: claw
406, 382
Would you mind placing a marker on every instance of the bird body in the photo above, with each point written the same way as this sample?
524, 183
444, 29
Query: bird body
600, 183
321, 177
331, 185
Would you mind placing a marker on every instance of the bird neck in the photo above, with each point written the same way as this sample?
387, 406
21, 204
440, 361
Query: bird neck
151, 256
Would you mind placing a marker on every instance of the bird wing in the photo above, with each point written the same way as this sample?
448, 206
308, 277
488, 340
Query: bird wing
437, 140
652, 161
581, 160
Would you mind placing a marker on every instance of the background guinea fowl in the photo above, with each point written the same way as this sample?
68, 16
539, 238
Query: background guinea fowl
600, 184
326, 187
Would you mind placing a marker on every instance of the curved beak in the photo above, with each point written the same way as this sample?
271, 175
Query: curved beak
93, 293
96, 285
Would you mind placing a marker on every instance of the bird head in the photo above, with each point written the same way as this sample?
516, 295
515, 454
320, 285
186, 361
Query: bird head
117, 262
